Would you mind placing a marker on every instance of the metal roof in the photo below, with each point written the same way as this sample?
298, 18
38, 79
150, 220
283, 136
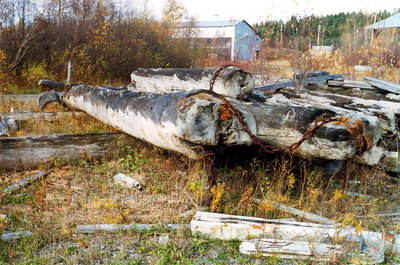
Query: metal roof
211, 24
390, 22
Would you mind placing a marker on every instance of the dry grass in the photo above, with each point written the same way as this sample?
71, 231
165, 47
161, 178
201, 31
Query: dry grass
247, 184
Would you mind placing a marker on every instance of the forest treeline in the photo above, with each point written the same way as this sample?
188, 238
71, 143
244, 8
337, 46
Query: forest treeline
102, 40
303, 32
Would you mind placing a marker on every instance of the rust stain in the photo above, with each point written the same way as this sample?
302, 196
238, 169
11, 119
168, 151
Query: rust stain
387, 237
224, 113
256, 227
355, 128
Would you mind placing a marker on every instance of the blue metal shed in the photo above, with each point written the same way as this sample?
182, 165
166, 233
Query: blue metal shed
234, 39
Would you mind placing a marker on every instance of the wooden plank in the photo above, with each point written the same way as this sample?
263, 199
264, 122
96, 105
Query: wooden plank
287, 249
231, 82
224, 226
44, 116
22, 97
28, 152
384, 85
323, 78
184, 121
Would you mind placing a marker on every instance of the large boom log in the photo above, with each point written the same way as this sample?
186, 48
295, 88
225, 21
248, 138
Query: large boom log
183, 121
232, 81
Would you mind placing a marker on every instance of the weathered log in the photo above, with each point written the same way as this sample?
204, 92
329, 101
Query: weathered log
388, 110
224, 226
51, 84
182, 121
43, 116
386, 86
350, 84
22, 97
309, 75
288, 249
49, 102
26, 152
26, 181
232, 82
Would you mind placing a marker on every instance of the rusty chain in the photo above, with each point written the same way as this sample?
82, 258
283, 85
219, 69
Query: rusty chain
216, 74
267, 148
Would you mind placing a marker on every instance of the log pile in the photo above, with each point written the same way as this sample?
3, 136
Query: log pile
175, 109
317, 116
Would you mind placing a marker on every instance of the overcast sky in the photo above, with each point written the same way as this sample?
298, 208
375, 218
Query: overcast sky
261, 10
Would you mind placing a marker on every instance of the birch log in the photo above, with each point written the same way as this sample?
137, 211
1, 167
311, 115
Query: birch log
183, 121
232, 82
384, 108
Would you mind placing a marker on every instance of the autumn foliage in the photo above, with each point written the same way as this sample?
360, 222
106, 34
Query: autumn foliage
105, 43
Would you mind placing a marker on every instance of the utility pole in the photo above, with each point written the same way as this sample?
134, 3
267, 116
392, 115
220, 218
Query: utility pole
319, 28
372, 32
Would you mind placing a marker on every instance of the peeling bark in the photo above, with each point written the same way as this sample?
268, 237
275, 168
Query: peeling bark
183, 121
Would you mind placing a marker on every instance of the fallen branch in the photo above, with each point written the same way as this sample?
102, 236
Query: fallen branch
26, 181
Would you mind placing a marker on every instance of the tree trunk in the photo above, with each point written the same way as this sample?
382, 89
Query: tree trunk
186, 120
27, 152
232, 82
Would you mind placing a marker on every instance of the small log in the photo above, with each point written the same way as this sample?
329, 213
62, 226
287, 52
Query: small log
184, 121
89, 229
49, 102
232, 82
287, 249
43, 116
51, 84
26, 181
16, 235
22, 97
226, 227
27, 152
384, 85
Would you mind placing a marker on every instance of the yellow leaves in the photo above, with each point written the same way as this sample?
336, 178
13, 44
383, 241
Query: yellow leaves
217, 192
